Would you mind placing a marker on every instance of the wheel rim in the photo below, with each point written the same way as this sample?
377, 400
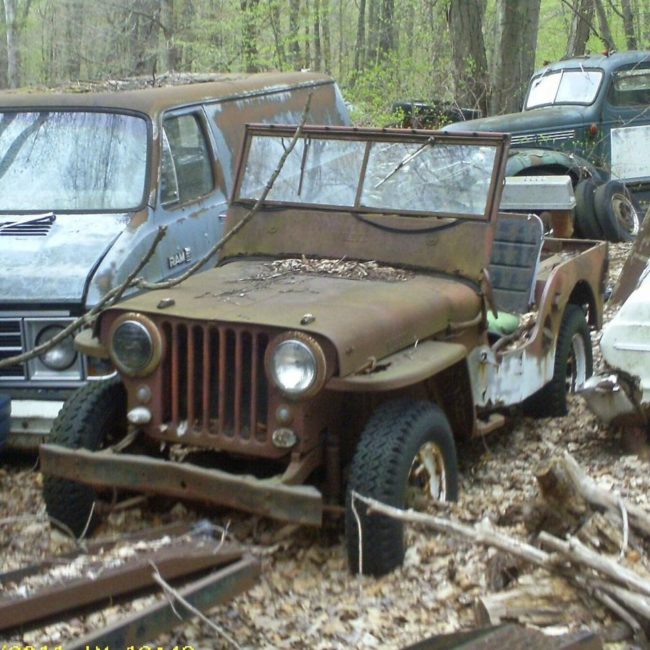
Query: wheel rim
625, 214
576, 371
427, 481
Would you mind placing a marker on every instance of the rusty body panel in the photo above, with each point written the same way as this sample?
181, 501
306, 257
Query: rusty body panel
365, 270
63, 249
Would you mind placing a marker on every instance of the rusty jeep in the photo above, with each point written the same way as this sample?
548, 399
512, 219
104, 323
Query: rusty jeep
374, 308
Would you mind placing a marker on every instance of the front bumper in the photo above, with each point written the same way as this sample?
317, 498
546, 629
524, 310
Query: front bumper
31, 421
103, 469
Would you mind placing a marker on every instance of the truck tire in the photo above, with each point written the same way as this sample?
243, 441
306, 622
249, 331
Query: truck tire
617, 211
94, 414
406, 454
586, 223
572, 367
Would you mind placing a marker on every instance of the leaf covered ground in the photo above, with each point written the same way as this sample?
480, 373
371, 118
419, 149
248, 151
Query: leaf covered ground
306, 597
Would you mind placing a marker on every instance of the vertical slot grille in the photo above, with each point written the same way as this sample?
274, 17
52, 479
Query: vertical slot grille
213, 383
11, 344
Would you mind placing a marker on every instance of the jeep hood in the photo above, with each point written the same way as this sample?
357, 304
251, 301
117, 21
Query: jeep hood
363, 319
549, 117
54, 263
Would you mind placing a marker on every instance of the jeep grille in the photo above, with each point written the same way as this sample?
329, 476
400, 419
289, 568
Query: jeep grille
214, 386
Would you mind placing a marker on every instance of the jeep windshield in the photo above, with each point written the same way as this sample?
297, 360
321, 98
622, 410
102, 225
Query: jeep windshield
72, 161
579, 86
416, 174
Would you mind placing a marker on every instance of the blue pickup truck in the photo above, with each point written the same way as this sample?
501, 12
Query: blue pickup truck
588, 117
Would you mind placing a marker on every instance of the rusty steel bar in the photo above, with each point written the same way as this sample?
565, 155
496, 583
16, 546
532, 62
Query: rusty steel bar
297, 503
145, 625
222, 380
101, 583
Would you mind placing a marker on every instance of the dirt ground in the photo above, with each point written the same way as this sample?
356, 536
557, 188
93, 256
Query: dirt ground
306, 598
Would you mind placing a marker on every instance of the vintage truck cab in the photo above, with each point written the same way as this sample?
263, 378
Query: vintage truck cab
369, 310
588, 117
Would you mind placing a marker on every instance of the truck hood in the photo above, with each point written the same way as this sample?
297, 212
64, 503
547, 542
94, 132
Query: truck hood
54, 263
363, 319
557, 118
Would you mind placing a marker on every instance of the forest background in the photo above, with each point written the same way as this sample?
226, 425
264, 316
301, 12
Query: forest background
476, 53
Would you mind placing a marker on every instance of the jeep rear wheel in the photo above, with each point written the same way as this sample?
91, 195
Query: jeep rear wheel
93, 415
572, 367
406, 458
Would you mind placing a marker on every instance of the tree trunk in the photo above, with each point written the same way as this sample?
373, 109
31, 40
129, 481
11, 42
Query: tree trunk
628, 25
249, 34
274, 19
386, 30
170, 51
518, 21
372, 41
294, 38
327, 43
317, 44
360, 50
465, 20
581, 21
603, 24
13, 72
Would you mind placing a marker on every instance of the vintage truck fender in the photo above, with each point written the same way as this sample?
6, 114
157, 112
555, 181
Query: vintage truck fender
537, 161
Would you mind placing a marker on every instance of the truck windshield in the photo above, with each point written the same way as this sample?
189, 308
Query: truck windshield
427, 177
71, 160
579, 86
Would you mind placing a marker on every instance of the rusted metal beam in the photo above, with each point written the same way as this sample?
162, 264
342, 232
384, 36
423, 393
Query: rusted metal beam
218, 587
94, 546
299, 504
98, 583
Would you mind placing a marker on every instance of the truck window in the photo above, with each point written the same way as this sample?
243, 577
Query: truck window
630, 88
186, 172
564, 87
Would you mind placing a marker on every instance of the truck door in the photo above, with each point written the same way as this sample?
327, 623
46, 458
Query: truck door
626, 122
189, 203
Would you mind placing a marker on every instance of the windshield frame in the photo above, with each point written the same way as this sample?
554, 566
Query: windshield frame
370, 135
562, 72
62, 108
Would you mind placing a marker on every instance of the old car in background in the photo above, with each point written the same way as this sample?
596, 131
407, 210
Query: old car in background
374, 310
87, 181
588, 117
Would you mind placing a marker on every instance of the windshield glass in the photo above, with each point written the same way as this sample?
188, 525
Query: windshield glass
564, 87
57, 160
423, 177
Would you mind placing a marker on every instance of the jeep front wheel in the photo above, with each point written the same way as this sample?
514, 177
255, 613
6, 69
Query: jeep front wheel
406, 458
94, 414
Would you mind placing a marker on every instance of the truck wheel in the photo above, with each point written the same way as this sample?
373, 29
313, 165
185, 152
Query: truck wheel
587, 225
405, 458
573, 366
94, 414
617, 211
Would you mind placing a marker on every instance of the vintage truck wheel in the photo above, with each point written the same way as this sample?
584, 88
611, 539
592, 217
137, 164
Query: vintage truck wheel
94, 413
586, 223
573, 366
406, 456
617, 211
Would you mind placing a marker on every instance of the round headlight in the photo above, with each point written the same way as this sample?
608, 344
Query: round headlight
294, 367
132, 347
62, 355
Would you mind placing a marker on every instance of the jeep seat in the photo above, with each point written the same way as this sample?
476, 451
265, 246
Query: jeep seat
513, 267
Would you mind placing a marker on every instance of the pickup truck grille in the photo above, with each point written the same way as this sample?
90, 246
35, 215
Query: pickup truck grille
11, 344
214, 387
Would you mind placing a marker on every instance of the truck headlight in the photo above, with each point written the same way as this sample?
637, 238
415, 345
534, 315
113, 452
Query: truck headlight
296, 364
62, 355
135, 345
